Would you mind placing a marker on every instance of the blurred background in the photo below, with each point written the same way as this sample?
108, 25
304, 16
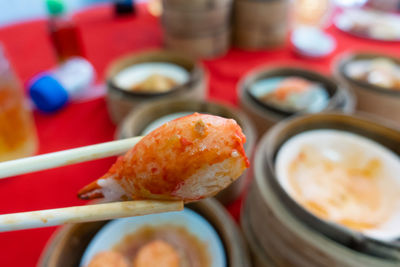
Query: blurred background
22, 10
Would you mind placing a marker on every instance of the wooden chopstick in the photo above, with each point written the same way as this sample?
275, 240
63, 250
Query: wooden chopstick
66, 157
98, 212
89, 213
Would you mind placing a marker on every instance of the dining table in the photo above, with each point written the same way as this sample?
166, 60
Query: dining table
103, 37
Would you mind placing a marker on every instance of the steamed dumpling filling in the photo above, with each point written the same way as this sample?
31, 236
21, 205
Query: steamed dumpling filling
151, 77
155, 83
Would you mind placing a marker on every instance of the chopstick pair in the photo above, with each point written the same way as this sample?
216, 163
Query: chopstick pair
96, 212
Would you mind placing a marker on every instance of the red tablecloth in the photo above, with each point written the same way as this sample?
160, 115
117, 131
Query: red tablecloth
105, 37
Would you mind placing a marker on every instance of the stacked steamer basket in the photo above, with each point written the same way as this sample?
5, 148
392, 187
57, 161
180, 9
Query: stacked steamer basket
139, 122
130, 70
264, 115
281, 232
372, 98
68, 244
260, 24
197, 27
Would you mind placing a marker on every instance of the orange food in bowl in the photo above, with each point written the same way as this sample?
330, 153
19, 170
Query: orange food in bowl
108, 259
290, 86
157, 253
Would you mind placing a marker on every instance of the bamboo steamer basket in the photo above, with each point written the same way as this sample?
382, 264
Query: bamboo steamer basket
260, 24
184, 22
257, 39
140, 118
264, 116
282, 233
200, 45
195, 4
373, 99
120, 102
68, 243
200, 28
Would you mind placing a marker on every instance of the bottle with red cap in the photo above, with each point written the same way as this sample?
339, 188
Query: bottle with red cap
63, 31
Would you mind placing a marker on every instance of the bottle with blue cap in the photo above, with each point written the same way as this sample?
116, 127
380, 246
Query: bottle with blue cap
52, 90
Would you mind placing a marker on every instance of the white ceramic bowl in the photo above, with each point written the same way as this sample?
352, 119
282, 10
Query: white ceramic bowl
140, 72
354, 150
114, 232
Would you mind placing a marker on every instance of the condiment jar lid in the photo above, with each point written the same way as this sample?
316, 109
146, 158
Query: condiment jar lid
47, 93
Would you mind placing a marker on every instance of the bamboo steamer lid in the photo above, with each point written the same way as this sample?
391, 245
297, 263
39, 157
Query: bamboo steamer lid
205, 45
67, 245
281, 233
120, 101
260, 24
372, 99
264, 117
140, 118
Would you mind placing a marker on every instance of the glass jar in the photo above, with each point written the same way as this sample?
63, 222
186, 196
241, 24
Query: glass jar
17, 130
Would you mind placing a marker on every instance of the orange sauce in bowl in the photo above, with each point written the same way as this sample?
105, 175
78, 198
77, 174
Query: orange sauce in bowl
353, 191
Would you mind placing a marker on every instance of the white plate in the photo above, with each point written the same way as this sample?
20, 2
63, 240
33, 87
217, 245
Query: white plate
112, 233
312, 42
384, 26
